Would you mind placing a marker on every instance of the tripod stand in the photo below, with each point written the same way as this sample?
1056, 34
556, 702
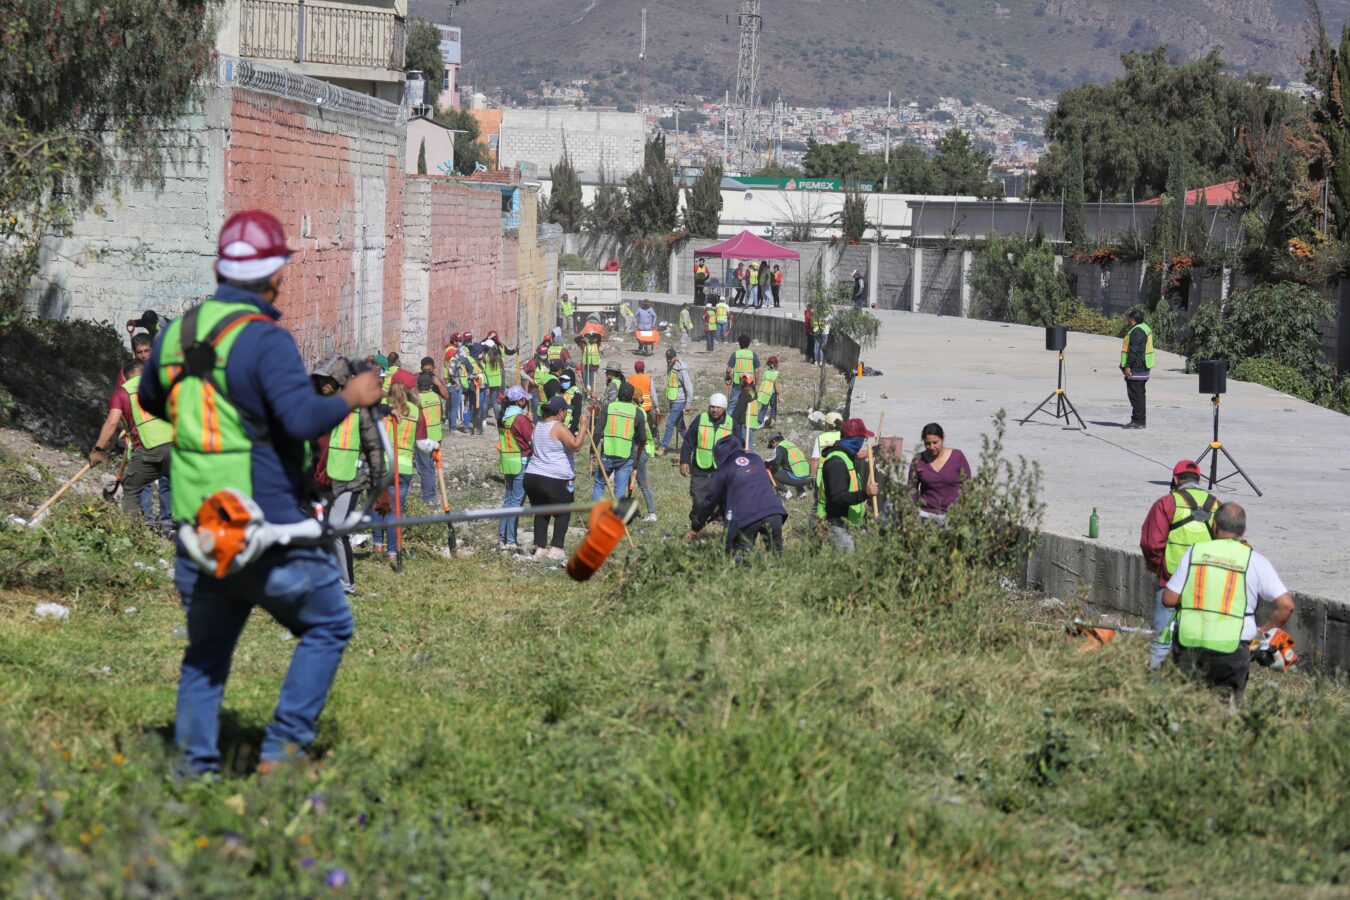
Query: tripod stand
1214, 449
1063, 405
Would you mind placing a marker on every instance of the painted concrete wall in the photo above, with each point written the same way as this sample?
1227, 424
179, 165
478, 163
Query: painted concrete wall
537, 138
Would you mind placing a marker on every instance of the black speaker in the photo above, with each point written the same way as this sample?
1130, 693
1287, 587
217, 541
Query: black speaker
1056, 337
1213, 376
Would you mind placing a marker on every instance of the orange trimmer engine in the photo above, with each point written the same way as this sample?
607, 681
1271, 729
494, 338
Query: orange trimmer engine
603, 533
227, 526
1274, 649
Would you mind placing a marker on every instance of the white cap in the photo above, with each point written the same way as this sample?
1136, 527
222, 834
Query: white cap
489, 342
718, 400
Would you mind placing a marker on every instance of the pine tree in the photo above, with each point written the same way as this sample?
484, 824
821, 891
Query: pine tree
422, 157
1338, 136
653, 198
1075, 220
1177, 176
703, 202
565, 206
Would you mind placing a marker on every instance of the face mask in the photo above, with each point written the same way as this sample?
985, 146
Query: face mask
852, 444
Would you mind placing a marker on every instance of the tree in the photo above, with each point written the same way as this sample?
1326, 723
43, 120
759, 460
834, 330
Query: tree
469, 150
777, 172
653, 198
1126, 126
1329, 72
853, 217
703, 202
910, 171
1075, 222
565, 206
89, 95
422, 157
1016, 280
959, 167
608, 212
422, 53
1178, 177
843, 160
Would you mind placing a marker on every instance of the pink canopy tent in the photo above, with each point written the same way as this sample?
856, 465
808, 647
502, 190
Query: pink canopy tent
748, 246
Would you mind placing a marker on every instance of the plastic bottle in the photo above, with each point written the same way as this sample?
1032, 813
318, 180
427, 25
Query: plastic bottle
1092, 523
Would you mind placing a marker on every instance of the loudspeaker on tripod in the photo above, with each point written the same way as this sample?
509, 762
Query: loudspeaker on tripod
1213, 376
1056, 337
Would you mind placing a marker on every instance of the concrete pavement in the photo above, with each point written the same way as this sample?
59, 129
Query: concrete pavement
960, 372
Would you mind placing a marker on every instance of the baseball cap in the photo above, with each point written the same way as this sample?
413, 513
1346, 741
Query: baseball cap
639, 366
381, 360
718, 400
252, 245
670, 353
555, 405
1185, 467
854, 428
335, 367
774, 360
516, 392
489, 342
834, 419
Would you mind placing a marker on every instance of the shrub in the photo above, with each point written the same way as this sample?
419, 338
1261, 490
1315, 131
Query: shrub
1275, 376
1281, 323
1016, 280
1091, 321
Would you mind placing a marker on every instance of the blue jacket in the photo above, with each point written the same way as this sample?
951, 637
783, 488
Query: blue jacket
742, 486
266, 378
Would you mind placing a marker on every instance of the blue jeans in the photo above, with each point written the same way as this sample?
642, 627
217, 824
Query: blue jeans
165, 516
785, 478
456, 408
733, 395
300, 589
619, 469
426, 474
724, 330
676, 415
1162, 622
754, 295
470, 396
821, 341
710, 337
515, 496
643, 484
401, 484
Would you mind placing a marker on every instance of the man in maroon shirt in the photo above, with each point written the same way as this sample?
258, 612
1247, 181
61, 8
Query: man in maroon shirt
147, 471
1176, 520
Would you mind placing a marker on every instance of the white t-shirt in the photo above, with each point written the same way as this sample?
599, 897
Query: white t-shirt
815, 450
1262, 584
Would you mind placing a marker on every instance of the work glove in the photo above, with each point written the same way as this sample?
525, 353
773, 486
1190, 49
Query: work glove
96, 456
428, 446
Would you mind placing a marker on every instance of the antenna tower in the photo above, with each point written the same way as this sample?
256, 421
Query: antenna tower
747, 84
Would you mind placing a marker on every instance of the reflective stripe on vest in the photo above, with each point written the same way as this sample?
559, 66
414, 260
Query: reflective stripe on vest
211, 448
344, 448
642, 390
590, 355
466, 369
672, 385
1213, 603
508, 450
619, 424
433, 410
554, 352
743, 363
568, 395
403, 435
709, 433
1190, 524
722, 312
798, 464
152, 432
857, 511
768, 386
752, 412
1148, 346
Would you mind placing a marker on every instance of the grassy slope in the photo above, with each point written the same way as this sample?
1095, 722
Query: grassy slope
892, 725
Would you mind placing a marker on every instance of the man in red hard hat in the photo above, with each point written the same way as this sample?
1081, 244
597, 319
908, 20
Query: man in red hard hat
1180, 518
243, 410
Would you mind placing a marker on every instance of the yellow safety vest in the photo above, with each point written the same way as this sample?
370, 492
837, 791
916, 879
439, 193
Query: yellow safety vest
433, 410
769, 386
344, 448
510, 455
1148, 347
151, 431
619, 425
1191, 524
744, 364
709, 433
857, 511
1213, 603
403, 435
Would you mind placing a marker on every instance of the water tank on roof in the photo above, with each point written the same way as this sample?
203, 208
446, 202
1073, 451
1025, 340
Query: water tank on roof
415, 89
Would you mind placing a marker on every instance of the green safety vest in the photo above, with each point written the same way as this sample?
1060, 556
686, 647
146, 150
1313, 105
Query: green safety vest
566, 307
150, 431
1213, 603
1148, 348
568, 395
686, 320
590, 354
768, 386
509, 450
445, 366
344, 448
722, 312
743, 363
626, 310
211, 449
827, 440
403, 435
1191, 524
798, 464
857, 511
752, 411
672, 385
542, 379
466, 370
389, 377
619, 424
709, 433
554, 352
433, 410
754, 274
492, 372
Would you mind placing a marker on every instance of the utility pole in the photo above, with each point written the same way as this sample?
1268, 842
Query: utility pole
726, 131
886, 172
642, 62
747, 83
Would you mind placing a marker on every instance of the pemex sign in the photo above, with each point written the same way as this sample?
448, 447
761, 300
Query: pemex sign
807, 184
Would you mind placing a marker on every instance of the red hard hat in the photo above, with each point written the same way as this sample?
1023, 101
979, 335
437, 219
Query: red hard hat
1185, 467
252, 246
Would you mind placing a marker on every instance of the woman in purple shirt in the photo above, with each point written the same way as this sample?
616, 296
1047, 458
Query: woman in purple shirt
936, 475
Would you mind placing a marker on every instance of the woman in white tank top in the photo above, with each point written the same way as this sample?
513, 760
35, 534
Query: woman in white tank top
549, 474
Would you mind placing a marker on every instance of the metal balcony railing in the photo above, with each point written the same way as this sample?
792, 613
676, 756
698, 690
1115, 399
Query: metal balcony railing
305, 32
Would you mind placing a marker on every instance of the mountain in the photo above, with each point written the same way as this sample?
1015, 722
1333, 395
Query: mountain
847, 52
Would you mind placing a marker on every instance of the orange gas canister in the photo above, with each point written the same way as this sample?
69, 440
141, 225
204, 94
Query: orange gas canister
602, 535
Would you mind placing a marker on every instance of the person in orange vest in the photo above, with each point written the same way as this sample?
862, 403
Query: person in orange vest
701, 275
777, 286
642, 387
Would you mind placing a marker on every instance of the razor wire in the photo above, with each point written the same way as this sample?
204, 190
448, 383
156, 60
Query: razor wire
235, 72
